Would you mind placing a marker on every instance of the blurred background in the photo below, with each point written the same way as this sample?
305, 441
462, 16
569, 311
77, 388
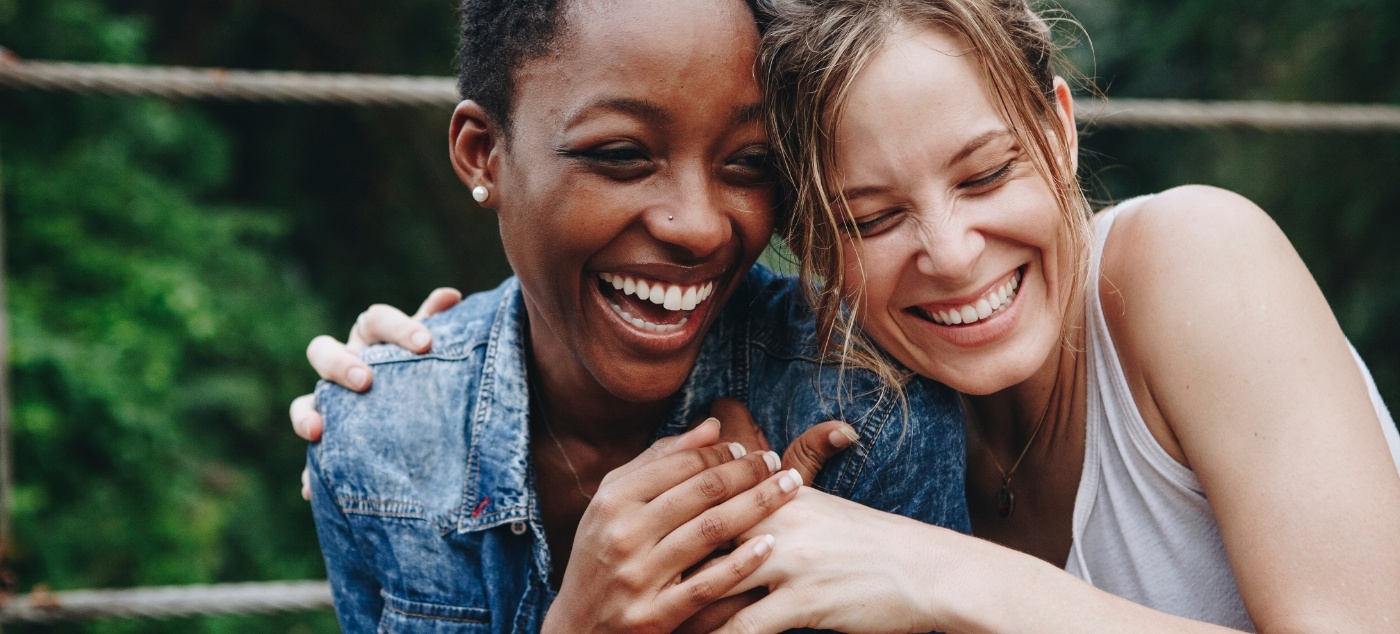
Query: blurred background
167, 262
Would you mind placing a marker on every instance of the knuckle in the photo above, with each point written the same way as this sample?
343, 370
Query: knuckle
758, 468
713, 530
711, 487
701, 592
764, 501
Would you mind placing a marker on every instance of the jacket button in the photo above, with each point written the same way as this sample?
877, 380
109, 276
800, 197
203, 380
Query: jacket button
518, 528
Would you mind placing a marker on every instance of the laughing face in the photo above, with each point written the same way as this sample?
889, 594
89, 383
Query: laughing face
959, 242
633, 191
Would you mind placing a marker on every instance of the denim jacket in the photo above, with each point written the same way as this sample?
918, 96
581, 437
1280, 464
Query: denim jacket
423, 487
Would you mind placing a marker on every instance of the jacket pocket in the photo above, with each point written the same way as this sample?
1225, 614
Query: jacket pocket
402, 616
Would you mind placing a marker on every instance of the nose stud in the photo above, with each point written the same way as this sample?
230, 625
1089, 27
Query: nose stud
670, 217
480, 194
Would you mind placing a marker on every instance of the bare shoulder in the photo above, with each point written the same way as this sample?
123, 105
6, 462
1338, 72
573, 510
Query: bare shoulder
1188, 247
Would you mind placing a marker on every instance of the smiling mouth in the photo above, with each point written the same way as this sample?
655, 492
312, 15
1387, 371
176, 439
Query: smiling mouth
994, 301
653, 305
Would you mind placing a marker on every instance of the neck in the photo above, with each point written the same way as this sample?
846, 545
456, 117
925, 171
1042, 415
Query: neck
577, 407
1052, 397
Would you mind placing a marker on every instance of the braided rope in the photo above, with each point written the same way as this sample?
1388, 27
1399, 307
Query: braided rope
1144, 113
166, 602
381, 90
230, 85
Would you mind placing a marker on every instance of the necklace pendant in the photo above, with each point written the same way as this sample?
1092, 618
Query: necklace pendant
1006, 501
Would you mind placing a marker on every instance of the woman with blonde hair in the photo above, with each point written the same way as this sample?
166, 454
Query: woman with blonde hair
1167, 429
1161, 403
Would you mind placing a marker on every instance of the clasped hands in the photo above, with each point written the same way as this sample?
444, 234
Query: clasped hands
656, 549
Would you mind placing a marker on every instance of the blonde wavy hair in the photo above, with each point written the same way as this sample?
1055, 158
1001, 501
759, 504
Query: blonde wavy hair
812, 52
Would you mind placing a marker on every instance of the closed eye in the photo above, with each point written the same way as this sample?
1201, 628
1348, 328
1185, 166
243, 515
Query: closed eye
874, 224
621, 162
993, 178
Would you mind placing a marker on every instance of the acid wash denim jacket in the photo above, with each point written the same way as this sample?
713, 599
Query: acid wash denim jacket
423, 487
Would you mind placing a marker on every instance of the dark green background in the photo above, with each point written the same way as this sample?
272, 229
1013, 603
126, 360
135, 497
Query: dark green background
167, 262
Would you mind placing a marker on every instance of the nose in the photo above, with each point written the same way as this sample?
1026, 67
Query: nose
691, 217
949, 246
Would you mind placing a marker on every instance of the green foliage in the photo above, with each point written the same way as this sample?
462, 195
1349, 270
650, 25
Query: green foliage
1334, 194
167, 263
156, 339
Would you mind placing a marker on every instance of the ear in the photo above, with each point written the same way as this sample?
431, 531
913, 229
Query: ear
475, 145
1064, 107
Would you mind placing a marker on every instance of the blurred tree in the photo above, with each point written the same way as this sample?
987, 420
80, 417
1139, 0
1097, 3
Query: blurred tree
168, 262
1334, 194
157, 334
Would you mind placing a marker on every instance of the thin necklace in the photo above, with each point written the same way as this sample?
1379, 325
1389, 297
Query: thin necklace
1006, 500
549, 429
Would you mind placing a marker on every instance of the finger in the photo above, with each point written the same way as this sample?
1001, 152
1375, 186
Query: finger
770, 615
714, 615
809, 452
739, 425
306, 421
712, 583
698, 537
704, 434
335, 362
439, 300
385, 324
305, 484
651, 480
710, 488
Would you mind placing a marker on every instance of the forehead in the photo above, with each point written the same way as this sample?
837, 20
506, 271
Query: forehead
662, 50
916, 102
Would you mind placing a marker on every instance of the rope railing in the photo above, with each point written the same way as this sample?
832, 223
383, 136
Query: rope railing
441, 92
167, 602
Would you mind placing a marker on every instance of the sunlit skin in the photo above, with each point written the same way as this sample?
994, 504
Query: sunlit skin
971, 214
1235, 363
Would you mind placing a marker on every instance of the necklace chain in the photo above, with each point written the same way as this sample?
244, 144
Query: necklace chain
538, 398
1006, 500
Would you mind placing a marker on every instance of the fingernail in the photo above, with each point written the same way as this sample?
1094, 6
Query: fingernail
773, 461
738, 450
764, 545
790, 481
358, 376
709, 420
421, 339
843, 437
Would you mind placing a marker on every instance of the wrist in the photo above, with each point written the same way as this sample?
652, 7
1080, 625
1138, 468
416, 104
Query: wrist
947, 579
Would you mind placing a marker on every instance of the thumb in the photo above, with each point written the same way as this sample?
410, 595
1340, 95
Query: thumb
809, 452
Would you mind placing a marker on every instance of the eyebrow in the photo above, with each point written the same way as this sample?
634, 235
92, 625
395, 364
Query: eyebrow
749, 114
977, 143
639, 108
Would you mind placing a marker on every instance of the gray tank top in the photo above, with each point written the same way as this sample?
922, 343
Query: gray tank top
1143, 529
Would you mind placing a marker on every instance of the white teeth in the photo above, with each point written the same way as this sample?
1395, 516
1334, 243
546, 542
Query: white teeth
643, 324
989, 304
669, 296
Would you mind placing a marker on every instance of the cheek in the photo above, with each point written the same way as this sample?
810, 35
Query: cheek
873, 278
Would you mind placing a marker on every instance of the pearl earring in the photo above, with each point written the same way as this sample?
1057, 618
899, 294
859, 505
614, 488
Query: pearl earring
480, 193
